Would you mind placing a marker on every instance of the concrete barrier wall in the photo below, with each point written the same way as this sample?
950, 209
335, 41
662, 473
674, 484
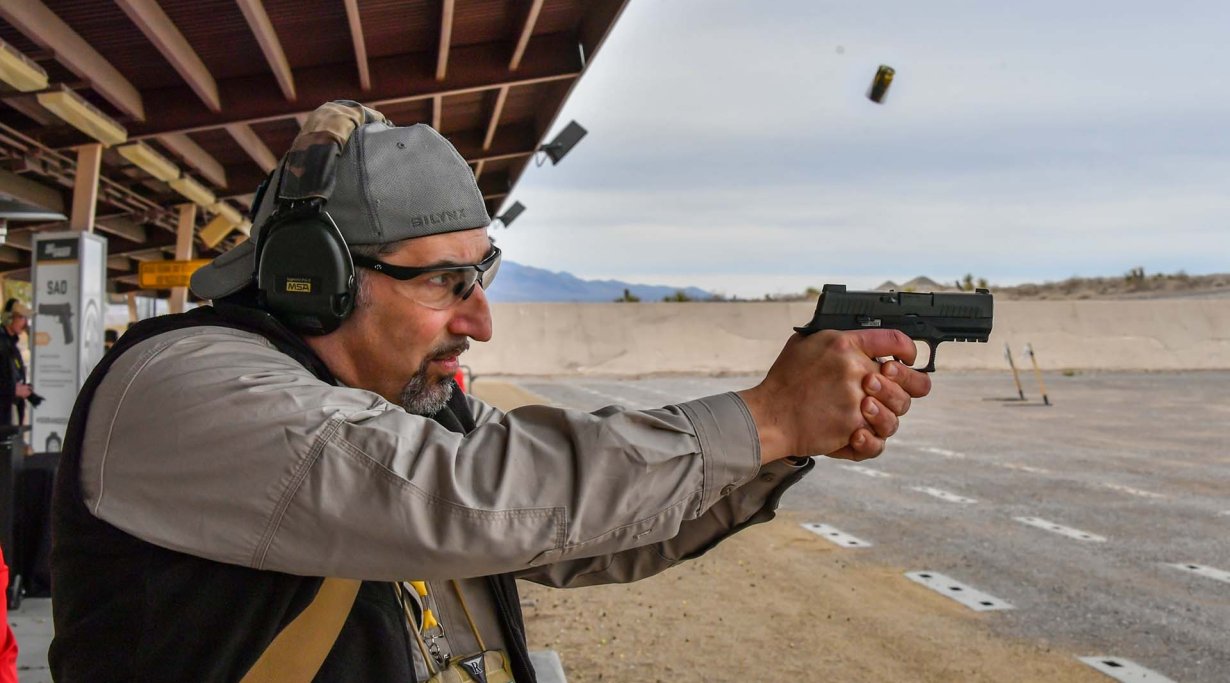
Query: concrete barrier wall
646, 338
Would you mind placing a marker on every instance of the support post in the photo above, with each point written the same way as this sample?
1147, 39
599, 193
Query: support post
85, 187
184, 233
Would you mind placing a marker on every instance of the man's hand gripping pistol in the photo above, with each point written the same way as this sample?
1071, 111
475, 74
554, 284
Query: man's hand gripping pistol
65, 313
929, 317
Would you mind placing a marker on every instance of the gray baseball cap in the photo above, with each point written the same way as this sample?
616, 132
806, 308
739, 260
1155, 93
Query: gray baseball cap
390, 183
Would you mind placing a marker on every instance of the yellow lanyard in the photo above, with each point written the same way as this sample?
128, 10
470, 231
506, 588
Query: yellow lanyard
430, 621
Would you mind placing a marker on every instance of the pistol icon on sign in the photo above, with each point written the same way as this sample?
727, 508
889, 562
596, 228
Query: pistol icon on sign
65, 313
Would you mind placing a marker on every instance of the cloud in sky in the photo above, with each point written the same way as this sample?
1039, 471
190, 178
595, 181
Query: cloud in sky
731, 145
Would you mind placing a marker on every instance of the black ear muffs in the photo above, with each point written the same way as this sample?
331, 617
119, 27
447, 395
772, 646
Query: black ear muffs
305, 275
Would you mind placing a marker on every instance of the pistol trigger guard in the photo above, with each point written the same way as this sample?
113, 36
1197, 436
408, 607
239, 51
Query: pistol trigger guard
934, 346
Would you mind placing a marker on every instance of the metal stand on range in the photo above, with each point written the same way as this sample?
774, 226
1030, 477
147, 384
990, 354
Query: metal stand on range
1029, 351
1016, 378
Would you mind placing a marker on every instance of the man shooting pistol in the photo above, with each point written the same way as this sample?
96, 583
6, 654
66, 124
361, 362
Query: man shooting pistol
924, 316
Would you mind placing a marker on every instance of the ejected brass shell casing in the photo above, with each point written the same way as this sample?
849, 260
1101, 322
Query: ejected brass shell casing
879, 84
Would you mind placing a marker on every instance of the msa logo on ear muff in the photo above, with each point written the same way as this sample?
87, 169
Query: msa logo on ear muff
297, 285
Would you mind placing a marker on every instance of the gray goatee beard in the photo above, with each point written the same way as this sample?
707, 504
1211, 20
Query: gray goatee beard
422, 395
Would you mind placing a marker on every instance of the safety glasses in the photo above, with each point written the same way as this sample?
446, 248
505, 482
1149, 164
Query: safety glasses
439, 287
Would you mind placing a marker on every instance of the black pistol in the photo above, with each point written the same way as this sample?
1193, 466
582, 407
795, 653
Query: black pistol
65, 313
932, 317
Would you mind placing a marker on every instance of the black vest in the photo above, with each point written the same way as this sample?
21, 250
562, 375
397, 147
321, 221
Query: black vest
127, 610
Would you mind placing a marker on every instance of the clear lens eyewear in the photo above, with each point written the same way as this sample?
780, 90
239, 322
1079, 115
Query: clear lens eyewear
439, 287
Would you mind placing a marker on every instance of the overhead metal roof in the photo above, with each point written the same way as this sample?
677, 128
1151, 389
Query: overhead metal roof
220, 87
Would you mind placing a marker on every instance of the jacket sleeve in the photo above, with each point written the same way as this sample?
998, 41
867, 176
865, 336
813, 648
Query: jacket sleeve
754, 502
211, 442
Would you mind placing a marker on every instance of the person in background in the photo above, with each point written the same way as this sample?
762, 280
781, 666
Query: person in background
13, 388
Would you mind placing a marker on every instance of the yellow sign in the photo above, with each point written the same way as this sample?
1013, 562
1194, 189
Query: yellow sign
167, 274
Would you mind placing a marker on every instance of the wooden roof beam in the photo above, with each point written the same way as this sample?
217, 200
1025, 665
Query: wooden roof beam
360, 45
31, 192
195, 156
262, 28
9, 255
123, 227
476, 68
512, 141
501, 96
161, 31
446, 38
253, 145
42, 26
527, 30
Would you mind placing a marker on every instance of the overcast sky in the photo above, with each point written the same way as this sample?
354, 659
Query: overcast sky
732, 147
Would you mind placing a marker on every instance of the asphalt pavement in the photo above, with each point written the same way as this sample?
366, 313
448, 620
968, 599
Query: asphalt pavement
1103, 519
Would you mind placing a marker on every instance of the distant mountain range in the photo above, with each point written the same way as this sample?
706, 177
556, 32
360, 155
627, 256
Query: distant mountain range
518, 283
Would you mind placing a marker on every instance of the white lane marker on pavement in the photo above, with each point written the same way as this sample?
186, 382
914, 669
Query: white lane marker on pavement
659, 392
866, 471
1060, 529
1208, 572
1023, 468
944, 495
942, 451
1225, 513
970, 597
836, 536
599, 394
1124, 670
1129, 490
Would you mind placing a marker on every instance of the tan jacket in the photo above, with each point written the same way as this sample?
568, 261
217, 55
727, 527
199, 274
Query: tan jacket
211, 442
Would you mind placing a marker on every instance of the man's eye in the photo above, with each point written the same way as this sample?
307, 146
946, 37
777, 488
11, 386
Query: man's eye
445, 279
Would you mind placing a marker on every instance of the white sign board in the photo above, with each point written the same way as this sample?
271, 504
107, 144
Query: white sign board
67, 335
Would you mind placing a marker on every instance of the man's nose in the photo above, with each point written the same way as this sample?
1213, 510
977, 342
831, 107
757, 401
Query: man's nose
472, 316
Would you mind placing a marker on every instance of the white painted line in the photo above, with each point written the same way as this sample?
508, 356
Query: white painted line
659, 392
866, 471
970, 597
942, 451
548, 666
1023, 468
1207, 572
1060, 529
944, 495
1225, 513
601, 395
1129, 490
1124, 670
836, 536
